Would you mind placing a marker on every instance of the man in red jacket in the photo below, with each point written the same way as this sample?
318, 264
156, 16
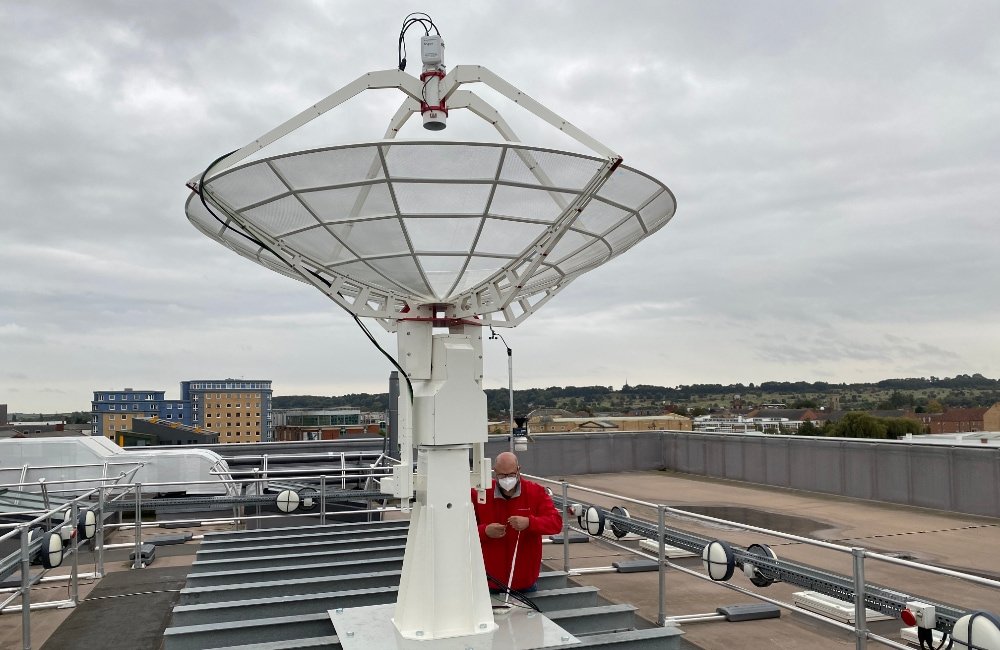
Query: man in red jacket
517, 513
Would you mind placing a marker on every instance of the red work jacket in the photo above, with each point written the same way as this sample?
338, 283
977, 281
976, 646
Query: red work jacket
543, 519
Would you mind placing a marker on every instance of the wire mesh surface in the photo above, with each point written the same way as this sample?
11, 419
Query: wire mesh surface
412, 223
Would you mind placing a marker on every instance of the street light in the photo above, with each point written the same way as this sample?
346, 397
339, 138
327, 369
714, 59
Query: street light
510, 383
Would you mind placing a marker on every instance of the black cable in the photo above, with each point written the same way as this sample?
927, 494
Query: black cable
417, 17
264, 246
925, 636
514, 593
201, 195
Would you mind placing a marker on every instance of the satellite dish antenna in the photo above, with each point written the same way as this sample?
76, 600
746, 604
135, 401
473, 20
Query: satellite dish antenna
432, 234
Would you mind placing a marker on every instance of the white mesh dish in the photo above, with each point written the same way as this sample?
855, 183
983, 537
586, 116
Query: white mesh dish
477, 226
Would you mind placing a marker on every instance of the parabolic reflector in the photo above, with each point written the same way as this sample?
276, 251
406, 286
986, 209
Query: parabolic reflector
397, 224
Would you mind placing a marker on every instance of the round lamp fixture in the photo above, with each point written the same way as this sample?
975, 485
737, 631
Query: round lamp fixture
594, 521
52, 550
86, 524
719, 560
758, 576
288, 501
616, 528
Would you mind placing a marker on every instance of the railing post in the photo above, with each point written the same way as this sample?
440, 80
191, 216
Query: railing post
343, 472
860, 622
565, 530
661, 610
137, 564
98, 543
74, 583
260, 486
45, 493
121, 512
25, 590
322, 500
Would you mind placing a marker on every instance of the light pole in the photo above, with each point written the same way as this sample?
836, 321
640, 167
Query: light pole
510, 384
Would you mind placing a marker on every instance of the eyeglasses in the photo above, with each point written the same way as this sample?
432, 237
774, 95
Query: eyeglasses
511, 475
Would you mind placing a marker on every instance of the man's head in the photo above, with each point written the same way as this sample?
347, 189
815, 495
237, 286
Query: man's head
507, 471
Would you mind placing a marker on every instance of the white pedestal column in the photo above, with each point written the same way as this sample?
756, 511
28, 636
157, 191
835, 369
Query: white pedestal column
443, 591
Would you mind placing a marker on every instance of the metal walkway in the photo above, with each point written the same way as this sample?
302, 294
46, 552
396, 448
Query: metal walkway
271, 589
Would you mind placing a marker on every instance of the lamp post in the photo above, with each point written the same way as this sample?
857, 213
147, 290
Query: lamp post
510, 384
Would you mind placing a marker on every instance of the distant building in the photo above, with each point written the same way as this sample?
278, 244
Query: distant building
3, 415
553, 424
293, 425
722, 424
801, 415
962, 420
112, 411
46, 431
237, 410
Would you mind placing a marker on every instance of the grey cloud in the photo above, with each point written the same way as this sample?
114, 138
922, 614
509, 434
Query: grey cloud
834, 164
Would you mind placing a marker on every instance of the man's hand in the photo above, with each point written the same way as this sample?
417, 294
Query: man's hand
518, 523
495, 531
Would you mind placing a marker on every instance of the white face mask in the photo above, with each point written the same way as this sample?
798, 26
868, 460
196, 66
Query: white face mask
507, 482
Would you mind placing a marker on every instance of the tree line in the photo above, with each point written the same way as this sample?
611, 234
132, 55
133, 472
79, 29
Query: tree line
920, 393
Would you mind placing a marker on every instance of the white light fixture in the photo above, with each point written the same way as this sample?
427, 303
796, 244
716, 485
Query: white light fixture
288, 501
52, 550
86, 524
616, 528
718, 560
594, 521
759, 577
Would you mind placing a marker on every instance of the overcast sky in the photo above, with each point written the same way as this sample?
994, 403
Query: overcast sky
836, 166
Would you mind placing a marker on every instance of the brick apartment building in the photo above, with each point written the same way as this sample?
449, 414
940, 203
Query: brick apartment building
962, 420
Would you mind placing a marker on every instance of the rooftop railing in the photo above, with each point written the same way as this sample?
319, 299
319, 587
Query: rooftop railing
851, 588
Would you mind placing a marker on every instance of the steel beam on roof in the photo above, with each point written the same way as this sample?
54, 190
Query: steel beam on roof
595, 620
249, 610
356, 541
239, 564
223, 544
294, 571
565, 598
217, 635
656, 638
311, 585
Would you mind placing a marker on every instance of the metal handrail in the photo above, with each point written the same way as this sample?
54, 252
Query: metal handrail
73, 506
796, 538
102, 479
335, 469
110, 462
329, 454
859, 593
694, 515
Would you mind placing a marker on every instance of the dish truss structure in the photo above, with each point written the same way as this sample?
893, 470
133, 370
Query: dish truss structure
434, 234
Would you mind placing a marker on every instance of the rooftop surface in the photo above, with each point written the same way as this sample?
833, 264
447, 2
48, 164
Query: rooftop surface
131, 608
